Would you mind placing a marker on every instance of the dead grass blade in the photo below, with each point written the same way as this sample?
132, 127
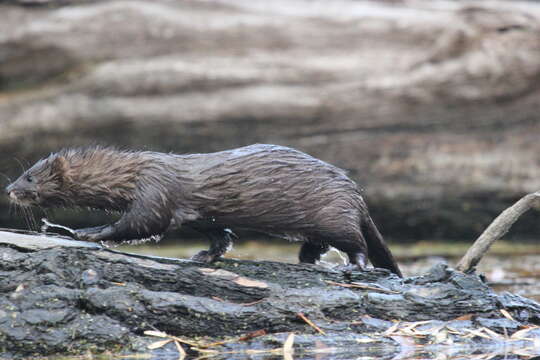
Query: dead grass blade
478, 333
521, 334
181, 352
165, 335
391, 329
246, 337
361, 286
492, 333
506, 314
288, 349
159, 344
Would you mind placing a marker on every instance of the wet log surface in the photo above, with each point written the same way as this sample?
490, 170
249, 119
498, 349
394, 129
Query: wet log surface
60, 296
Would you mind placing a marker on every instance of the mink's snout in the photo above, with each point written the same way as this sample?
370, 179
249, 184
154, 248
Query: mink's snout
9, 190
18, 195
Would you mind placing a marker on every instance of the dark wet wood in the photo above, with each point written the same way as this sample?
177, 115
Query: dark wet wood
60, 296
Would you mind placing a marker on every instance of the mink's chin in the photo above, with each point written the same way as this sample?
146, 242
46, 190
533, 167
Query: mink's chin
23, 198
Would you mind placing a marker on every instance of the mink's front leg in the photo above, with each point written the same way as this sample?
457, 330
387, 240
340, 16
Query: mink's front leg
138, 223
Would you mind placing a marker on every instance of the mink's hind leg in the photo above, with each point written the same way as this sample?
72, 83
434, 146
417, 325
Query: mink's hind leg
220, 241
311, 252
354, 246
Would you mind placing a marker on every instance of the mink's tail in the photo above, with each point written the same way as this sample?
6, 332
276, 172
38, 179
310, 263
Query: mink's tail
378, 252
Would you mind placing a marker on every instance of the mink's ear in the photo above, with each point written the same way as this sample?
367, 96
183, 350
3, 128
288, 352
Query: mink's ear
59, 166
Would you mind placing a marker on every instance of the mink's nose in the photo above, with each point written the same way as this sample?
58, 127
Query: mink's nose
8, 188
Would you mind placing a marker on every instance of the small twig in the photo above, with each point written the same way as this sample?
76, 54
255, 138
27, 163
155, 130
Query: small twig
310, 323
246, 337
181, 352
251, 303
165, 335
361, 286
495, 231
252, 335
47, 224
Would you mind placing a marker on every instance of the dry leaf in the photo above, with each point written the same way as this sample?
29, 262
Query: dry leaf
478, 333
391, 329
417, 323
440, 336
493, 333
365, 341
404, 341
520, 334
242, 281
155, 333
159, 344
407, 331
451, 330
288, 345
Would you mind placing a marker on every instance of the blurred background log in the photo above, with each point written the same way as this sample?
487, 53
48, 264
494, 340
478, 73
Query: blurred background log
432, 106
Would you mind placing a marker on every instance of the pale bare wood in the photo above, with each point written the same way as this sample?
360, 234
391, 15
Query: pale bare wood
496, 230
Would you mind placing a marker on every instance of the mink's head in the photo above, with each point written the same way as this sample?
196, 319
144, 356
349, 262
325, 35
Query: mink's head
42, 184
93, 177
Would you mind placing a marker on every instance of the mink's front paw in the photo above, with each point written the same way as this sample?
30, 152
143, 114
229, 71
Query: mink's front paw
90, 234
82, 235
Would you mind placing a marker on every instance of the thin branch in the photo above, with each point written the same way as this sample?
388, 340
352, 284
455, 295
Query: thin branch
496, 230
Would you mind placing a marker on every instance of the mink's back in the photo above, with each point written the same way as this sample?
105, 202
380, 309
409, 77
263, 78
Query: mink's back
270, 187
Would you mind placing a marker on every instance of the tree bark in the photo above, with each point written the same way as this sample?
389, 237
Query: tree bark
60, 296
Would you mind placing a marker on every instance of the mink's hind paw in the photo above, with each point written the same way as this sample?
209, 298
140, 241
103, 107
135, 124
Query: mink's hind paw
204, 257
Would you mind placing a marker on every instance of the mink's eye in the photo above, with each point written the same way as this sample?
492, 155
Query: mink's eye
29, 178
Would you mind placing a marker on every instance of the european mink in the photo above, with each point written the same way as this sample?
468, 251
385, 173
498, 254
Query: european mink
267, 188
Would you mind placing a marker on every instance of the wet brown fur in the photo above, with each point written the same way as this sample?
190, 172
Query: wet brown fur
267, 188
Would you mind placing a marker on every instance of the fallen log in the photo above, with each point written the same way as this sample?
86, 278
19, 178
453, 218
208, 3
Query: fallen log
59, 296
